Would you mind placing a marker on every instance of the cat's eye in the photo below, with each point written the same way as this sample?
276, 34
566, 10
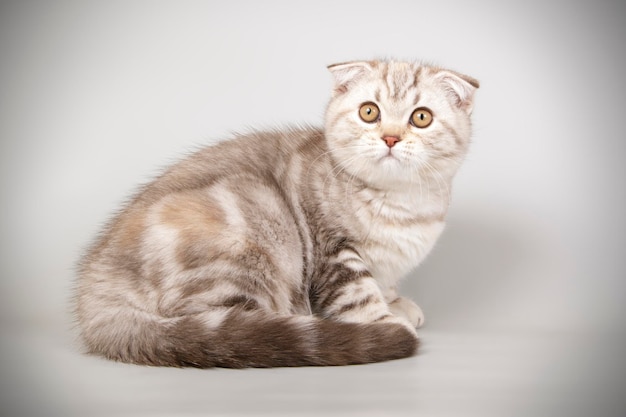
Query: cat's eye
369, 112
422, 117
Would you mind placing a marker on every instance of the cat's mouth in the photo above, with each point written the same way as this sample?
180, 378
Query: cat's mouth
389, 155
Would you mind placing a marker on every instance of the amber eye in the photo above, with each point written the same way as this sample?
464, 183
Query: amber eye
369, 112
422, 117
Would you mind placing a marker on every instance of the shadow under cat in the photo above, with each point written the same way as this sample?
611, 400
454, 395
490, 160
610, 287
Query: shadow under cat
466, 280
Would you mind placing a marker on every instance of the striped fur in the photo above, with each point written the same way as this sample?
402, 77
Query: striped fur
284, 248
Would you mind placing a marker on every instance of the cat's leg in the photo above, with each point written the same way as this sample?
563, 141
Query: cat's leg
404, 307
345, 290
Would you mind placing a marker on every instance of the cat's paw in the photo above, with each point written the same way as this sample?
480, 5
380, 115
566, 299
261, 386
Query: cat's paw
403, 307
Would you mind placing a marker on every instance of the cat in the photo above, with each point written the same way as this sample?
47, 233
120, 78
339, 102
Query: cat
285, 247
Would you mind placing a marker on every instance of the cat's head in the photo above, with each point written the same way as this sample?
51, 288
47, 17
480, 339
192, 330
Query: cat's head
392, 123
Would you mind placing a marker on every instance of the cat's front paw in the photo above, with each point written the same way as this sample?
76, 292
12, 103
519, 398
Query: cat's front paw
403, 307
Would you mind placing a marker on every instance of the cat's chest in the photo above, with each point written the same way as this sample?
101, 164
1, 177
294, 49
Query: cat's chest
393, 240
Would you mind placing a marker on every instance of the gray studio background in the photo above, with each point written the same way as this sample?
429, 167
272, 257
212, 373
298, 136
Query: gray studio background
524, 295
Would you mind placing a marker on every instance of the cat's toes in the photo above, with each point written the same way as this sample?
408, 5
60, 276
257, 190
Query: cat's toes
419, 317
403, 307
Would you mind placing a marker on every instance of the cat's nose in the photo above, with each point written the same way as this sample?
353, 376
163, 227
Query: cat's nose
391, 140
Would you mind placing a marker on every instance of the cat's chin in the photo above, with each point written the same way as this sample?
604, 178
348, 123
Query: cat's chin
395, 164
389, 173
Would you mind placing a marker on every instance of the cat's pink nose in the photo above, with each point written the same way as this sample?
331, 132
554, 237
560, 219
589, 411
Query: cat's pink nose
391, 140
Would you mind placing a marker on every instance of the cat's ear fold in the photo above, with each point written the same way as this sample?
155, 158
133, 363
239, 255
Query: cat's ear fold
347, 73
460, 88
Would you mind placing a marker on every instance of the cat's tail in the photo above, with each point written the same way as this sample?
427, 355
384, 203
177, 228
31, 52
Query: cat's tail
239, 338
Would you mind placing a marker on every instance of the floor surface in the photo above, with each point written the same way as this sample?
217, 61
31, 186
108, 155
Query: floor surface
497, 373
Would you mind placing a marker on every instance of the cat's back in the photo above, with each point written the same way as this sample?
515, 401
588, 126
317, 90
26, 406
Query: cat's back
265, 154
264, 158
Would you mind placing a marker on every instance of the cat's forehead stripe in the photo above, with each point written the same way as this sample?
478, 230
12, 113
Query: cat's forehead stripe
416, 98
400, 78
416, 77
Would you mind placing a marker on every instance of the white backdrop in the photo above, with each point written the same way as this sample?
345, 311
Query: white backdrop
524, 294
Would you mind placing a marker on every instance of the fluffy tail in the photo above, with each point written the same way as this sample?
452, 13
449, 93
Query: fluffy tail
238, 338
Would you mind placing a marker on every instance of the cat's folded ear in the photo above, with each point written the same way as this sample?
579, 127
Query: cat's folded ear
460, 88
347, 73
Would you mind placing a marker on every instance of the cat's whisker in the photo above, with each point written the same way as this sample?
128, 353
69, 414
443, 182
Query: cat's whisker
350, 189
444, 199
330, 153
339, 168
374, 217
413, 173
